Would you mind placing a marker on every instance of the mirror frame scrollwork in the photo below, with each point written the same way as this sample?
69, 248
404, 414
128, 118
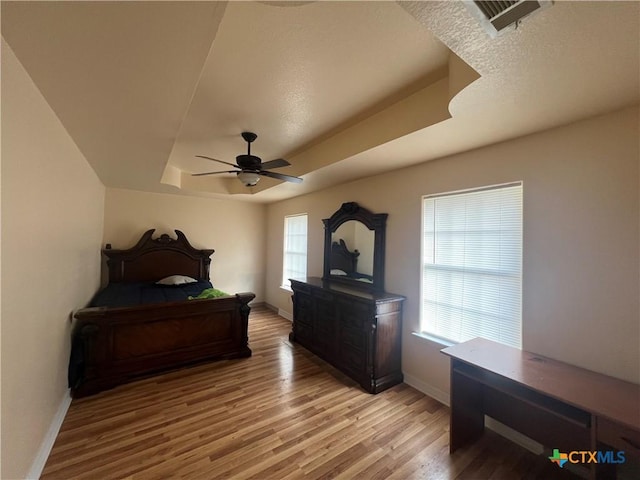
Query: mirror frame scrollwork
376, 222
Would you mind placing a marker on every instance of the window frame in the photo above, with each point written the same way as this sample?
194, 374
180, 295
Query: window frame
286, 272
436, 334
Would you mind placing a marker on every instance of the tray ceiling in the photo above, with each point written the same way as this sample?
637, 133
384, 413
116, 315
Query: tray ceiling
343, 90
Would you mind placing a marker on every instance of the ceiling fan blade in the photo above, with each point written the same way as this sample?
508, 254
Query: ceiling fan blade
216, 160
212, 173
279, 176
277, 163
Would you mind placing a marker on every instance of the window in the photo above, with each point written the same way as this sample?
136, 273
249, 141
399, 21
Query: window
472, 265
295, 248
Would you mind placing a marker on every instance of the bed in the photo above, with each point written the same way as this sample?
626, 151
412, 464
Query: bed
135, 327
344, 262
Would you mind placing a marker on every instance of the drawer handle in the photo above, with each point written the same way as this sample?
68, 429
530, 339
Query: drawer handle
631, 442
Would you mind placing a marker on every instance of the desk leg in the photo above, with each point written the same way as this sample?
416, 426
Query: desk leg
603, 471
467, 413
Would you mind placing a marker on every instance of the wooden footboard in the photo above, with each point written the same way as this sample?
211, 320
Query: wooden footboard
112, 346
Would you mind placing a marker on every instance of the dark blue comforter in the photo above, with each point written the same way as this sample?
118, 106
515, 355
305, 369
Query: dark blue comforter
144, 293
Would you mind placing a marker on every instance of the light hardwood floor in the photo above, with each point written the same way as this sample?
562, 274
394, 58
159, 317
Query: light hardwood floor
281, 414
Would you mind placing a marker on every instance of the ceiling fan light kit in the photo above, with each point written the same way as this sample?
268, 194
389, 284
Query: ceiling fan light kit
251, 167
249, 179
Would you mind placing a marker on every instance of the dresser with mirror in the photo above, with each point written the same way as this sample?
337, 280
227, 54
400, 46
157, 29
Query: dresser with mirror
345, 317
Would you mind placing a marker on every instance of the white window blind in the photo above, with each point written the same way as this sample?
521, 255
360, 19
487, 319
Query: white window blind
472, 265
295, 248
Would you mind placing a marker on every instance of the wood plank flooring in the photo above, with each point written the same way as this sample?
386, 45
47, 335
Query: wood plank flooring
281, 414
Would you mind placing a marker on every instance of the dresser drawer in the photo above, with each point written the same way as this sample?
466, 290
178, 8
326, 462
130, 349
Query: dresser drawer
355, 339
303, 308
325, 311
618, 436
354, 315
353, 361
303, 333
325, 296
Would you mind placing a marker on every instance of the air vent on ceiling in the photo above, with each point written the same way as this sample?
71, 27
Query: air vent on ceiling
497, 16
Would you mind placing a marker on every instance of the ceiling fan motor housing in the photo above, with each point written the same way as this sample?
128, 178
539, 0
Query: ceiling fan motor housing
248, 162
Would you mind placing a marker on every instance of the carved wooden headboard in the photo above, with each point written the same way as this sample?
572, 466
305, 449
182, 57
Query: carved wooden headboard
152, 259
342, 258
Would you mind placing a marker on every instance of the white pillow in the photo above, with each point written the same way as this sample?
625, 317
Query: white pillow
337, 271
176, 280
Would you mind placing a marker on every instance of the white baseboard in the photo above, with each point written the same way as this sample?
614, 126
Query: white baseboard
47, 443
441, 396
490, 423
285, 314
514, 436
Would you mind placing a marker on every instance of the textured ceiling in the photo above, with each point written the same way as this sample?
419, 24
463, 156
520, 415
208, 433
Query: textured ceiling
342, 90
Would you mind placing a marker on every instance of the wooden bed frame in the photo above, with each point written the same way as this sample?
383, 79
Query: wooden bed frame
342, 258
112, 346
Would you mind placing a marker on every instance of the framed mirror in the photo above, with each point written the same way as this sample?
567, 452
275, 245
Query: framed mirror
354, 245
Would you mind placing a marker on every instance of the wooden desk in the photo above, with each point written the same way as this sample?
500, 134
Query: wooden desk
558, 405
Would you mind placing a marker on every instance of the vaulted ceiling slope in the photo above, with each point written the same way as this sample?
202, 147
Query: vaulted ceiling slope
342, 90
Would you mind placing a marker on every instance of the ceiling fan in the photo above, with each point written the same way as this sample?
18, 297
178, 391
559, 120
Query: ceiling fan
250, 167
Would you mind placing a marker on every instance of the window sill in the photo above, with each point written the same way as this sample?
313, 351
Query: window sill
434, 339
286, 289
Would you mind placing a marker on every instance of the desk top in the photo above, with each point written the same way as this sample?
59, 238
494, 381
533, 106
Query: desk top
596, 393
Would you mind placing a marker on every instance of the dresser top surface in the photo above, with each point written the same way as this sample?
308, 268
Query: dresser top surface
317, 282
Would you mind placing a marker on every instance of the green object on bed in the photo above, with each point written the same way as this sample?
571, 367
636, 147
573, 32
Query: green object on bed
210, 293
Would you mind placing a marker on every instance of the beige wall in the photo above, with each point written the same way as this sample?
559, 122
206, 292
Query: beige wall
581, 240
581, 246
51, 237
234, 229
